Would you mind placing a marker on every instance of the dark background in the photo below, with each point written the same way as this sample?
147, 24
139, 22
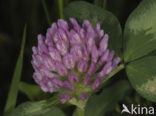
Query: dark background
14, 14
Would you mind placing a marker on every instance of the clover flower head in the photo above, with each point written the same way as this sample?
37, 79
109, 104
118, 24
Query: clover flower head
72, 59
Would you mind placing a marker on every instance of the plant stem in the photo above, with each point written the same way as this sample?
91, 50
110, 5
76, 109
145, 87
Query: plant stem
80, 111
79, 103
46, 12
104, 4
60, 5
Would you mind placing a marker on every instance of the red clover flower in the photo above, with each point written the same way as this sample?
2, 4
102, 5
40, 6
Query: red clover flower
72, 59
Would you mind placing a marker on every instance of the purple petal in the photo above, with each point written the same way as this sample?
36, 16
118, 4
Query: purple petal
50, 34
53, 29
49, 38
41, 45
69, 61
62, 35
61, 69
50, 87
54, 53
83, 96
68, 86
57, 83
96, 83
62, 24
82, 65
82, 34
104, 57
106, 70
85, 53
56, 37
116, 61
76, 51
73, 78
35, 50
44, 71
109, 70
74, 38
75, 24
95, 54
36, 61
104, 43
111, 55
92, 68
86, 24
88, 28
64, 97
62, 47
86, 80
99, 32
37, 77
48, 62
44, 88
90, 33
90, 43
47, 85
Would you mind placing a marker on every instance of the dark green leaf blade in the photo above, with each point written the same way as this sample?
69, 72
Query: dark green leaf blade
142, 75
140, 31
40, 108
13, 92
82, 10
98, 105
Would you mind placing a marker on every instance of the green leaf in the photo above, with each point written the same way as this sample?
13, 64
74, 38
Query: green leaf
13, 92
142, 75
100, 104
140, 31
40, 108
32, 91
82, 10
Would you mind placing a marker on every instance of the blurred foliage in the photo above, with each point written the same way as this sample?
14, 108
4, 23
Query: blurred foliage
15, 13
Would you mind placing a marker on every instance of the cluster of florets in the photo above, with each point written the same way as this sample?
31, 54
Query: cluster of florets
72, 59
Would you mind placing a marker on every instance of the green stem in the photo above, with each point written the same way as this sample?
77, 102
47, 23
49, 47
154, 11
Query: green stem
104, 4
46, 12
80, 112
60, 5
79, 103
